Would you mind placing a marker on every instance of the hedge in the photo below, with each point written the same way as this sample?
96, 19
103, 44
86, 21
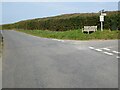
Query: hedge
68, 22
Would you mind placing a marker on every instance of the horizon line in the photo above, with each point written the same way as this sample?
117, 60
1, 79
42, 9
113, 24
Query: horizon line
54, 16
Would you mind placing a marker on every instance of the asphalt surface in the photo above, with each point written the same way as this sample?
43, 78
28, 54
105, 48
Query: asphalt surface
0, 60
34, 62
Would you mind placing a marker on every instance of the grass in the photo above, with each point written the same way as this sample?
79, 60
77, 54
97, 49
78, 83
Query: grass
74, 34
0, 27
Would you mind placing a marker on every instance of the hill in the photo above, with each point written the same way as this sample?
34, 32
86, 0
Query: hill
68, 22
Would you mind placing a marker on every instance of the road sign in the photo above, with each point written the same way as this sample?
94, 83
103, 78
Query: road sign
101, 18
104, 14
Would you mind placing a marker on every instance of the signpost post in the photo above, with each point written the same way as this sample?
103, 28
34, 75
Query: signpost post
102, 18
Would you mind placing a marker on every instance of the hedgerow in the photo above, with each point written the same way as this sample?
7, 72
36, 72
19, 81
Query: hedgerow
68, 22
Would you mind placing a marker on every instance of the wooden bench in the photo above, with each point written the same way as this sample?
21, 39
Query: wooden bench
89, 29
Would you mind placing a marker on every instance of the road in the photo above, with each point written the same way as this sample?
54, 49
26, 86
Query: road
34, 62
0, 60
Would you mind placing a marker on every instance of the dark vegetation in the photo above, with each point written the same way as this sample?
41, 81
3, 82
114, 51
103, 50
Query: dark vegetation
68, 22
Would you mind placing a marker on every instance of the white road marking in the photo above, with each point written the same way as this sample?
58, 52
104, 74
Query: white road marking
59, 40
116, 52
98, 50
91, 47
118, 57
54, 39
62, 40
105, 52
108, 53
106, 49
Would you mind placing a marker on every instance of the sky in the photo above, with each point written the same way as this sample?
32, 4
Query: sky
59, 0
17, 11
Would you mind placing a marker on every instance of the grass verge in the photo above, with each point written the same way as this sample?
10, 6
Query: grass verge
74, 34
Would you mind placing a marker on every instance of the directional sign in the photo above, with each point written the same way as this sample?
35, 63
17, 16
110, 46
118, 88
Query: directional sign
101, 18
104, 14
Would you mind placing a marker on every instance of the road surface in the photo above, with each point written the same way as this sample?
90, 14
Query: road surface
34, 62
0, 60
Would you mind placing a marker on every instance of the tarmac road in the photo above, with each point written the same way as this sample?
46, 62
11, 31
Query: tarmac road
0, 60
34, 62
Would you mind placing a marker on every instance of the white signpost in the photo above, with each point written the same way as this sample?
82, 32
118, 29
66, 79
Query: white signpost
102, 19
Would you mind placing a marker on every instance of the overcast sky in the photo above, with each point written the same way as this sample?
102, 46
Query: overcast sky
16, 11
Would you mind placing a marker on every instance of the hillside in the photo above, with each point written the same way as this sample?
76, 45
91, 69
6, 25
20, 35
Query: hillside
68, 22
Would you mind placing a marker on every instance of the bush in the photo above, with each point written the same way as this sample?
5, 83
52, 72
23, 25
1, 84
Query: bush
68, 22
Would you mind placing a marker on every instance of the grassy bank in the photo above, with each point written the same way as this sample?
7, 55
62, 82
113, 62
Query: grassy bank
74, 34
0, 27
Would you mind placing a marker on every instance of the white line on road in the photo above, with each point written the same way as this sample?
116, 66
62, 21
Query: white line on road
116, 52
106, 49
59, 40
91, 47
105, 52
118, 57
95, 49
98, 50
54, 39
108, 53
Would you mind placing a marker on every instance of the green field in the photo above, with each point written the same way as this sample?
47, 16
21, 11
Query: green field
74, 34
